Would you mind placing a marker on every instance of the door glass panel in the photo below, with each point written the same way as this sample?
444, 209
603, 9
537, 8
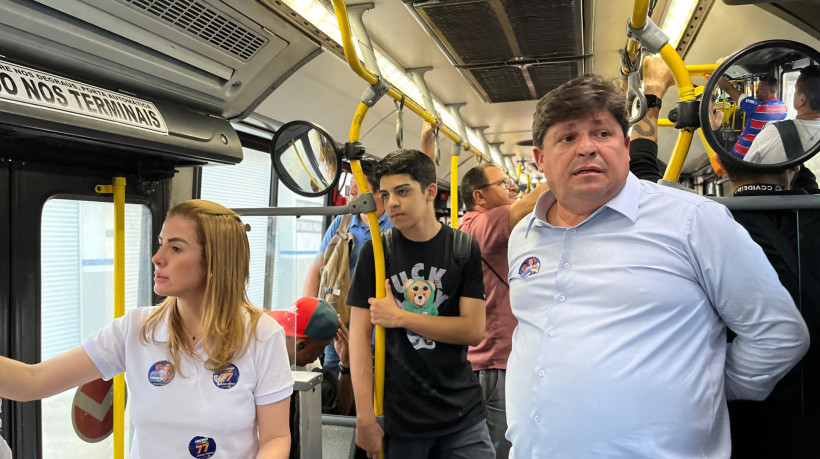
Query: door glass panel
77, 298
297, 244
246, 184
281, 248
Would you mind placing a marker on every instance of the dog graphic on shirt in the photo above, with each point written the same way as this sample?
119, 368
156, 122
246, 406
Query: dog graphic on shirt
419, 298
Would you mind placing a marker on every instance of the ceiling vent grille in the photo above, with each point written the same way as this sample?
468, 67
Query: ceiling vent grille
205, 23
510, 50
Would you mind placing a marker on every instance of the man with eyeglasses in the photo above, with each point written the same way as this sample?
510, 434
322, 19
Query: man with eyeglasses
492, 212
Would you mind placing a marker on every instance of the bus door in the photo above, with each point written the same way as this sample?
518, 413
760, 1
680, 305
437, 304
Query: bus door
59, 236
57, 232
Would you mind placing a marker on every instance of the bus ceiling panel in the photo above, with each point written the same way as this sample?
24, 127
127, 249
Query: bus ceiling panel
497, 41
219, 56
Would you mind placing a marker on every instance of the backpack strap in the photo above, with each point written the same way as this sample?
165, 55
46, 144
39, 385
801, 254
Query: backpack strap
503, 281
462, 243
344, 225
790, 137
388, 239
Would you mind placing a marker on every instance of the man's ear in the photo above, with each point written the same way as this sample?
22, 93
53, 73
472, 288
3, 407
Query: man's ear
300, 344
478, 197
539, 156
432, 191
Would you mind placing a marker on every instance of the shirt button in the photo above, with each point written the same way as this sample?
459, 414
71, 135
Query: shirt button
536, 418
541, 373
566, 265
551, 333
562, 298
574, 231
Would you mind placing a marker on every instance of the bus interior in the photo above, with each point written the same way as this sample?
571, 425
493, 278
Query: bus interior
167, 100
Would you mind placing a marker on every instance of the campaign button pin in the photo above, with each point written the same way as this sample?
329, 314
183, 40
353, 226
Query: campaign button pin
227, 378
202, 447
161, 373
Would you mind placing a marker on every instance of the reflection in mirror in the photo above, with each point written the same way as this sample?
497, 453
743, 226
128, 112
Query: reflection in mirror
306, 158
762, 106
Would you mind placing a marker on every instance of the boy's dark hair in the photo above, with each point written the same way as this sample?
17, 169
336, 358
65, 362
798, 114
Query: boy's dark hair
369, 169
474, 179
808, 83
769, 80
576, 99
738, 173
411, 162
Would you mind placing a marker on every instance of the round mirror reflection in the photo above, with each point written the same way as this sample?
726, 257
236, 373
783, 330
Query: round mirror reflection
761, 108
306, 158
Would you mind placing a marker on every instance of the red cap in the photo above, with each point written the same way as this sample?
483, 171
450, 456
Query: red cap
308, 318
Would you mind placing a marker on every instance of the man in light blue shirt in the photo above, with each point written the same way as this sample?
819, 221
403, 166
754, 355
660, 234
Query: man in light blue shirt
361, 234
623, 290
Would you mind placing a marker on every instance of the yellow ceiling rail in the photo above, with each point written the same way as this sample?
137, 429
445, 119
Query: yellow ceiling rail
353, 61
640, 9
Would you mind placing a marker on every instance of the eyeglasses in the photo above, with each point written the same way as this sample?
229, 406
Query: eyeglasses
505, 183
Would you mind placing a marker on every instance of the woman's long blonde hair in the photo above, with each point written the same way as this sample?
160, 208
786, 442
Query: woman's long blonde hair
225, 259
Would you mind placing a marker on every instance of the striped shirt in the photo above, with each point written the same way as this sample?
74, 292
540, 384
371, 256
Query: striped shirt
758, 115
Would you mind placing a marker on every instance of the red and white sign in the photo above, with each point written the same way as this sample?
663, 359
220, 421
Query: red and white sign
92, 412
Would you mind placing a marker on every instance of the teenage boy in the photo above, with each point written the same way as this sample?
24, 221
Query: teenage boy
433, 309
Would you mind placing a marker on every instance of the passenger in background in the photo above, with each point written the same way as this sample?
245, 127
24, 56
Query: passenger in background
620, 348
433, 309
492, 212
774, 427
767, 147
643, 140
360, 230
311, 324
226, 355
761, 109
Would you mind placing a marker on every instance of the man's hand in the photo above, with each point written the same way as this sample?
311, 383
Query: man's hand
340, 343
428, 137
383, 311
706, 76
369, 438
657, 78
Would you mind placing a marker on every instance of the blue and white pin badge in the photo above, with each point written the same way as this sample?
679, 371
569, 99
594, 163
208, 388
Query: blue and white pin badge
227, 378
202, 447
161, 373
529, 267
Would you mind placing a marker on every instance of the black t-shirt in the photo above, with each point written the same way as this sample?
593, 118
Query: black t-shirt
430, 388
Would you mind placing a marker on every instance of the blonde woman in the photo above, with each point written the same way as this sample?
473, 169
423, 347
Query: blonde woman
204, 368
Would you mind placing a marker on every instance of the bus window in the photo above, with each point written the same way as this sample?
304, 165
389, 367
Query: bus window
789, 80
77, 300
281, 248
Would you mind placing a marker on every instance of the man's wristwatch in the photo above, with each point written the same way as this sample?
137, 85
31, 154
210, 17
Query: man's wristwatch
343, 370
652, 101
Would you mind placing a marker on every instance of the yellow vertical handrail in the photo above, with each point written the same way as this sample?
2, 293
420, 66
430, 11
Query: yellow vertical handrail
454, 191
119, 310
378, 256
117, 189
686, 91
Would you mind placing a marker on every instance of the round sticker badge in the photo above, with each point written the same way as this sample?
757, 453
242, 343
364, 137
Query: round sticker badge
529, 267
202, 447
227, 378
161, 373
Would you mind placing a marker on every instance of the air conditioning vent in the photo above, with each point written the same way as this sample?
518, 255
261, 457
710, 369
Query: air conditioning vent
205, 23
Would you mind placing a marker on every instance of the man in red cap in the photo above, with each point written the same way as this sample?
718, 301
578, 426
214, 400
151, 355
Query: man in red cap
310, 325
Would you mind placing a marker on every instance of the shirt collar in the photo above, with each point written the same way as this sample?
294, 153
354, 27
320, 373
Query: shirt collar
625, 203
160, 334
356, 221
